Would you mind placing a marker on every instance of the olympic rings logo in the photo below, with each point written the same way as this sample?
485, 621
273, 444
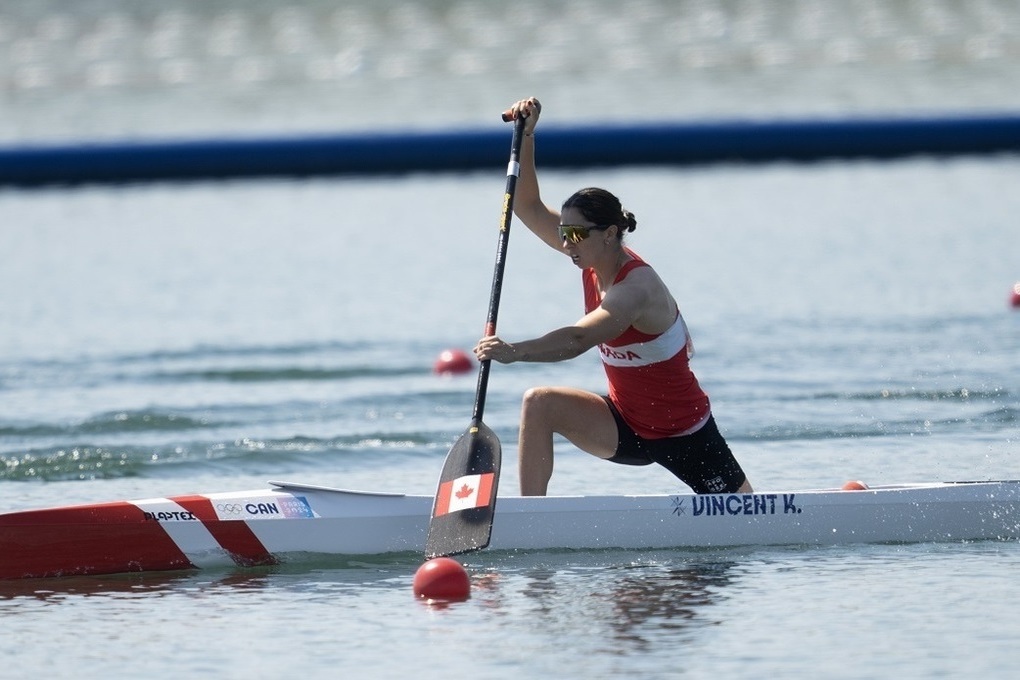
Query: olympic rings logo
229, 508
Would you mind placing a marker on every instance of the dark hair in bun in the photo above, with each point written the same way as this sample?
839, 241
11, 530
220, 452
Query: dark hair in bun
601, 207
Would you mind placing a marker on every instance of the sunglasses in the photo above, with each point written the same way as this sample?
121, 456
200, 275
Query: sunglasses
575, 233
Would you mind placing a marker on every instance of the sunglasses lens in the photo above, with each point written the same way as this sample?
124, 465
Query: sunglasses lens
573, 234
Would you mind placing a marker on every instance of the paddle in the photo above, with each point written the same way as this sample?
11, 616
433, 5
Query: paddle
466, 499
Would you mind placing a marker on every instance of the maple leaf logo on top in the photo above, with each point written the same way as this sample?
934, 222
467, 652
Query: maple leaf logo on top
464, 491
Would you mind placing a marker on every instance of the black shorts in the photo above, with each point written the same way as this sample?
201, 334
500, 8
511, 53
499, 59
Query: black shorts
701, 460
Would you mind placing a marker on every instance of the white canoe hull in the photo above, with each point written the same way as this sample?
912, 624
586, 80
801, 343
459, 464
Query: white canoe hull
290, 522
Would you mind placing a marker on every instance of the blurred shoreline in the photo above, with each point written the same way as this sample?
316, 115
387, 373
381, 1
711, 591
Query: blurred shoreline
114, 69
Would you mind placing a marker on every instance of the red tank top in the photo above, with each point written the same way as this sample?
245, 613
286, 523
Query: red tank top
650, 378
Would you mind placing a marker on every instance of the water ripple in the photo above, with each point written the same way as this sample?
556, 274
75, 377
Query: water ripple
93, 462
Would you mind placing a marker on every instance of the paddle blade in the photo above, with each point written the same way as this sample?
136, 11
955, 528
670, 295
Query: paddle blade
466, 499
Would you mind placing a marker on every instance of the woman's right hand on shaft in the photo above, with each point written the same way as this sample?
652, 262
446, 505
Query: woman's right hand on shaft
530, 109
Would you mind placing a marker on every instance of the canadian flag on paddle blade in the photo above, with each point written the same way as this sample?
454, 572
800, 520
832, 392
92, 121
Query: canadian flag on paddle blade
469, 491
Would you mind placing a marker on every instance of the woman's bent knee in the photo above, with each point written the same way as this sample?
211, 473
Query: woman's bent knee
537, 401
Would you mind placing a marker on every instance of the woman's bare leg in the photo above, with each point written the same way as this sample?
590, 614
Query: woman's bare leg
582, 417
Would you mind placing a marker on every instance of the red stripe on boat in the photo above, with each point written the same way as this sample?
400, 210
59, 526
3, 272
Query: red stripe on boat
105, 538
234, 536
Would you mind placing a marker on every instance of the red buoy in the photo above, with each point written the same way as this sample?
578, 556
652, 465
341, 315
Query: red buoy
855, 485
1014, 297
452, 361
442, 578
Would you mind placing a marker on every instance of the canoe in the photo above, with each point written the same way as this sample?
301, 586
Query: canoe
290, 522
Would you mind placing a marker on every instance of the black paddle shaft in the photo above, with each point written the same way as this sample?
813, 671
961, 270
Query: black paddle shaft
512, 172
466, 499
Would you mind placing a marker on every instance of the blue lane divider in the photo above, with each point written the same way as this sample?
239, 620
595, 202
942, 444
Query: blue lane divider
669, 144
